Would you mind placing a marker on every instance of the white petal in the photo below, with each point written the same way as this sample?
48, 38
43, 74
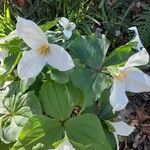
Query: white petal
63, 21
117, 141
136, 38
30, 65
118, 98
32, 35
3, 55
67, 33
122, 128
72, 25
65, 145
138, 59
59, 58
136, 81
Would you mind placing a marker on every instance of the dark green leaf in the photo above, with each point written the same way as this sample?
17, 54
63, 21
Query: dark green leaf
89, 50
87, 130
60, 77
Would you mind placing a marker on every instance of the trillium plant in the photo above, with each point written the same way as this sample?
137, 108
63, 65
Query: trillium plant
61, 90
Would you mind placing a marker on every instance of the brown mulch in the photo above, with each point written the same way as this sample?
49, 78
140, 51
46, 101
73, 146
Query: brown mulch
137, 113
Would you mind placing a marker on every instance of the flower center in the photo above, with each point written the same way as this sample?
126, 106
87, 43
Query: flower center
44, 50
120, 75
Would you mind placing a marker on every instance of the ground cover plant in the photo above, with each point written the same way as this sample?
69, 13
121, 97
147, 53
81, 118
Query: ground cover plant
63, 80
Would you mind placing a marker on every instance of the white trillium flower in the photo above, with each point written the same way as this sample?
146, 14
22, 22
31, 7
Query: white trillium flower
129, 78
137, 39
68, 26
41, 52
121, 128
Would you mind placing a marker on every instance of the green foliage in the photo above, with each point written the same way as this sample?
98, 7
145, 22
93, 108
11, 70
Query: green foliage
143, 23
119, 55
114, 16
15, 111
41, 132
58, 100
91, 51
82, 130
39, 113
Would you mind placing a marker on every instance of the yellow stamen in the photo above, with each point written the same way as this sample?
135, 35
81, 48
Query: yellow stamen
44, 50
120, 75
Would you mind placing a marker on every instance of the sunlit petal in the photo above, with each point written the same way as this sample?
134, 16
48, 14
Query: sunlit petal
118, 98
59, 58
67, 33
136, 81
122, 128
136, 38
63, 21
138, 59
117, 141
32, 35
30, 65
72, 25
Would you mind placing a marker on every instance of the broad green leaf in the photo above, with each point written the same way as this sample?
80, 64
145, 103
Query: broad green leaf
59, 76
87, 130
90, 50
57, 100
92, 83
14, 112
83, 78
39, 132
119, 55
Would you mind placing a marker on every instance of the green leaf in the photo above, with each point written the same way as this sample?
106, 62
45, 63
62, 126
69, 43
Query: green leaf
83, 78
91, 83
14, 113
4, 146
59, 76
57, 100
105, 106
48, 25
119, 55
109, 129
102, 82
39, 132
13, 46
90, 50
87, 130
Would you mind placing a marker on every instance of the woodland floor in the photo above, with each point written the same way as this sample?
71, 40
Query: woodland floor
137, 113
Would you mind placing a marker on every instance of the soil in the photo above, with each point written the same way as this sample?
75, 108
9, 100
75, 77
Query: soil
137, 113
